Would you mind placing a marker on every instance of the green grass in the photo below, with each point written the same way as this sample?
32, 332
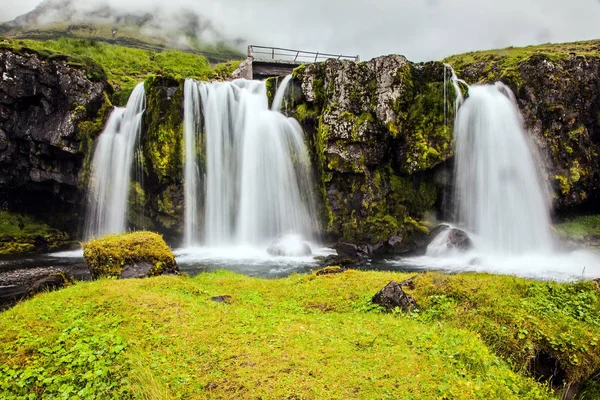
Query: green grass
303, 337
579, 228
124, 66
505, 62
127, 36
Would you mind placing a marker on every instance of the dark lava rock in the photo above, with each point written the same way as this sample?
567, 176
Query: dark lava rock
338, 260
221, 299
392, 296
136, 270
50, 283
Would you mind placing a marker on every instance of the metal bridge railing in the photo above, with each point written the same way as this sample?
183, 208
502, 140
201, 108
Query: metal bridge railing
277, 53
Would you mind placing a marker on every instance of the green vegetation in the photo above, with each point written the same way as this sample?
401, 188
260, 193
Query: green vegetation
580, 228
504, 63
127, 36
107, 256
474, 336
21, 234
124, 67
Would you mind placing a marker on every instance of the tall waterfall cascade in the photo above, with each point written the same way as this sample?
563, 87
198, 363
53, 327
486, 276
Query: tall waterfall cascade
500, 192
112, 168
249, 165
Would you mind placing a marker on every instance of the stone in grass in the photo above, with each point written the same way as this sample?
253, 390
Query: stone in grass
392, 296
130, 255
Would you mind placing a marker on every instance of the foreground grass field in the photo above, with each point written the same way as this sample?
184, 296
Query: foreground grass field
303, 337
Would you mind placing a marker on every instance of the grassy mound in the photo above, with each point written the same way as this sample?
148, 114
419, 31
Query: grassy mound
22, 234
107, 256
303, 337
125, 67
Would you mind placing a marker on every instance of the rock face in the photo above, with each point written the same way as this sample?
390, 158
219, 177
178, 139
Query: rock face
50, 110
375, 129
392, 296
159, 206
559, 96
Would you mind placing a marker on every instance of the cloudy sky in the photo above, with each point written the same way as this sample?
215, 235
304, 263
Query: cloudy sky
419, 29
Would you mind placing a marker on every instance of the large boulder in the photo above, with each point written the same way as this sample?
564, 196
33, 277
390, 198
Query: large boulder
392, 296
131, 255
445, 238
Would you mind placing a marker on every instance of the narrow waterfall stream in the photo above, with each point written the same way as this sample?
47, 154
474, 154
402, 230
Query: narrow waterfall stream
112, 167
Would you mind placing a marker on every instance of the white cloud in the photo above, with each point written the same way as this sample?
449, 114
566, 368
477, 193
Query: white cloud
419, 29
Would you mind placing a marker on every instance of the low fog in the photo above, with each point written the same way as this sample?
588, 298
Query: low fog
419, 29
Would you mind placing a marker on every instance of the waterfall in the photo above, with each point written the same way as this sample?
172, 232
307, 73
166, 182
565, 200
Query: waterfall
500, 194
258, 181
280, 94
192, 131
111, 170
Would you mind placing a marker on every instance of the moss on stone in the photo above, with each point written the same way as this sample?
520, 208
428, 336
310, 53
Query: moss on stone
88, 130
22, 234
163, 141
107, 256
271, 84
424, 120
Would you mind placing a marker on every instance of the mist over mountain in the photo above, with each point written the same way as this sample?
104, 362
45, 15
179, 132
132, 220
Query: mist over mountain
154, 27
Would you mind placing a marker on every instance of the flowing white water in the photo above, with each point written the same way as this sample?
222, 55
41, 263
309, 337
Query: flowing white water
280, 94
500, 194
258, 173
108, 190
501, 199
192, 176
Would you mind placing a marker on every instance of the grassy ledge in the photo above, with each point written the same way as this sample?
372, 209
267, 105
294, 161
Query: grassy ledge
124, 66
302, 337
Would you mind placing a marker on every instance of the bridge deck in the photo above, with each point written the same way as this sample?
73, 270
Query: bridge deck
264, 62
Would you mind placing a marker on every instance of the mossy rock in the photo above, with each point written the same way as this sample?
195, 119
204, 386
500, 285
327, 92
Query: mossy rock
24, 234
108, 256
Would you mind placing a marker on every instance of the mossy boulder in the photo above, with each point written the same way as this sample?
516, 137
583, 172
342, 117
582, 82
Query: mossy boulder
112, 255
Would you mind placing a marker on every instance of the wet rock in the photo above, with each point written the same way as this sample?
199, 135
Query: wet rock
50, 283
445, 238
136, 270
289, 245
42, 103
338, 260
392, 296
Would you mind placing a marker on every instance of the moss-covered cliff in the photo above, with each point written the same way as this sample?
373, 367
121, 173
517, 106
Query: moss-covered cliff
52, 107
374, 129
558, 90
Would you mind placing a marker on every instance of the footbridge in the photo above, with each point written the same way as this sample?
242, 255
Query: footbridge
264, 62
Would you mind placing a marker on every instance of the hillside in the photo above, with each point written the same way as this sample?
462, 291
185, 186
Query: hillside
124, 67
56, 19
